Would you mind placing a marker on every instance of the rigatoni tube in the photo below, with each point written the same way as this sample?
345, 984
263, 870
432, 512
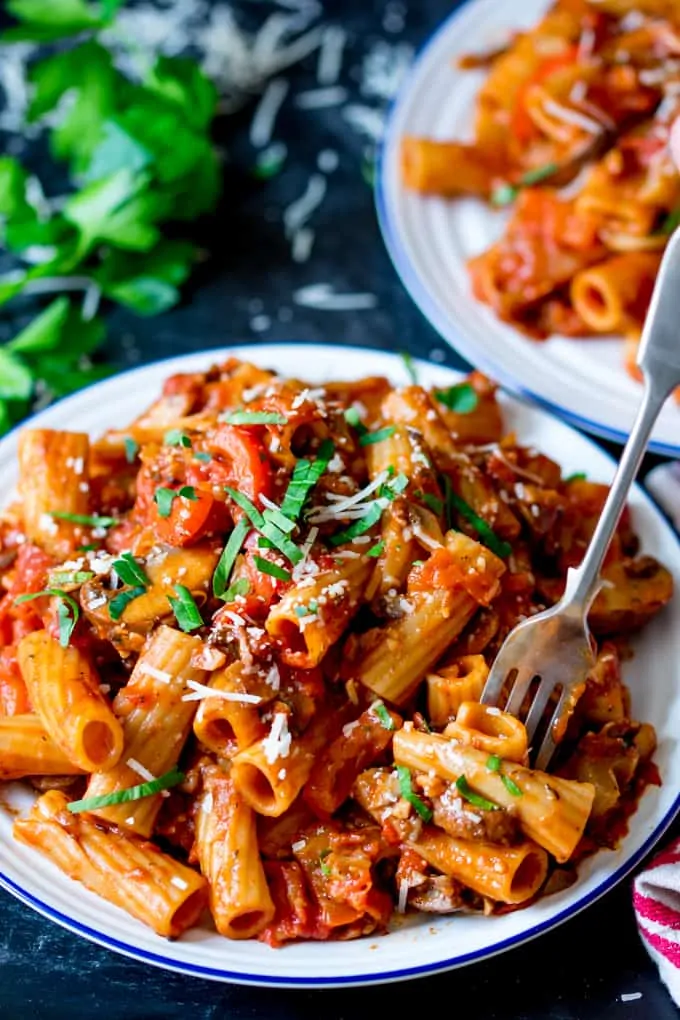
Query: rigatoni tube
229, 856
156, 723
551, 811
64, 690
130, 873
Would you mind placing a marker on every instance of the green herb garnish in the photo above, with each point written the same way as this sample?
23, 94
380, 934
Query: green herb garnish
494, 763
305, 476
325, 870
511, 786
175, 437
473, 798
131, 449
68, 611
433, 502
383, 715
185, 609
486, 534
164, 782
203, 456
506, 193
461, 398
88, 520
254, 418
266, 527
365, 523
369, 438
578, 476
237, 588
119, 603
410, 367
273, 569
352, 418
406, 790
129, 571
228, 558
71, 577
376, 550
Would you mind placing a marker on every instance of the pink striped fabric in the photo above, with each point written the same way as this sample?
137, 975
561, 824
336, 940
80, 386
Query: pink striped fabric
656, 891
656, 900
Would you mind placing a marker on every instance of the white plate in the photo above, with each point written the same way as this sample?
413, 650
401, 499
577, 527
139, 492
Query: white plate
422, 945
431, 239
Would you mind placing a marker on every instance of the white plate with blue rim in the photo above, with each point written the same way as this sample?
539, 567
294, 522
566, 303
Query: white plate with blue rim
430, 241
418, 945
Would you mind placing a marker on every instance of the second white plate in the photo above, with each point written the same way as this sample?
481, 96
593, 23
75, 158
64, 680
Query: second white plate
430, 241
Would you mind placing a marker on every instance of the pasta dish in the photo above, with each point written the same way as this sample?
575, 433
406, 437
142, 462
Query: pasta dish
243, 642
571, 133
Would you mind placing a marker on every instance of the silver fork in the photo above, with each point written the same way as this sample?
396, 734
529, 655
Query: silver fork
555, 645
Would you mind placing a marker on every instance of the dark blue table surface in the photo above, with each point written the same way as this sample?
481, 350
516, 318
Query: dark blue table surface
244, 293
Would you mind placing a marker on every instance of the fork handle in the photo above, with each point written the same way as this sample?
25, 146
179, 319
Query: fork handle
659, 359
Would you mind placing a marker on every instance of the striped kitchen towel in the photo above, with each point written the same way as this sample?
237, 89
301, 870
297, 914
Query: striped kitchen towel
656, 900
656, 890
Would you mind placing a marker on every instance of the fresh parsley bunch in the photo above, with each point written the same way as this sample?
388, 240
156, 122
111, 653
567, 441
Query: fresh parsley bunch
139, 156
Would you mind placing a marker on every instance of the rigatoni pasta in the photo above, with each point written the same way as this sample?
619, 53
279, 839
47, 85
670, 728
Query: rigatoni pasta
572, 129
255, 687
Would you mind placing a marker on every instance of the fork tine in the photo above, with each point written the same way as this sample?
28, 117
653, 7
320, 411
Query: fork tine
548, 746
494, 684
519, 691
540, 701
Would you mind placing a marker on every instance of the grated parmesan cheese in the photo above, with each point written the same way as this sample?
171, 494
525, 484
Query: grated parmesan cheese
277, 743
158, 674
200, 692
140, 769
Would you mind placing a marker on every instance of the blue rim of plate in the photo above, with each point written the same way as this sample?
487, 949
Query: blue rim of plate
357, 980
428, 305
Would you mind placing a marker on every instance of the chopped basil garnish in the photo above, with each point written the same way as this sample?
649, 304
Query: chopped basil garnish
365, 523
369, 438
473, 798
129, 571
383, 715
68, 611
273, 569
164, 782
228, 558
511, 786
254, 418
239, 587
70, 577
485, 532
461, 398
376, 550
434, 503
410, 367
118, 604
352, 418
89, 520
175, 437
305, 476
266, 527
185, 609
578, 476
325, 870
164, 498
131, 449
507, 193
406, 790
